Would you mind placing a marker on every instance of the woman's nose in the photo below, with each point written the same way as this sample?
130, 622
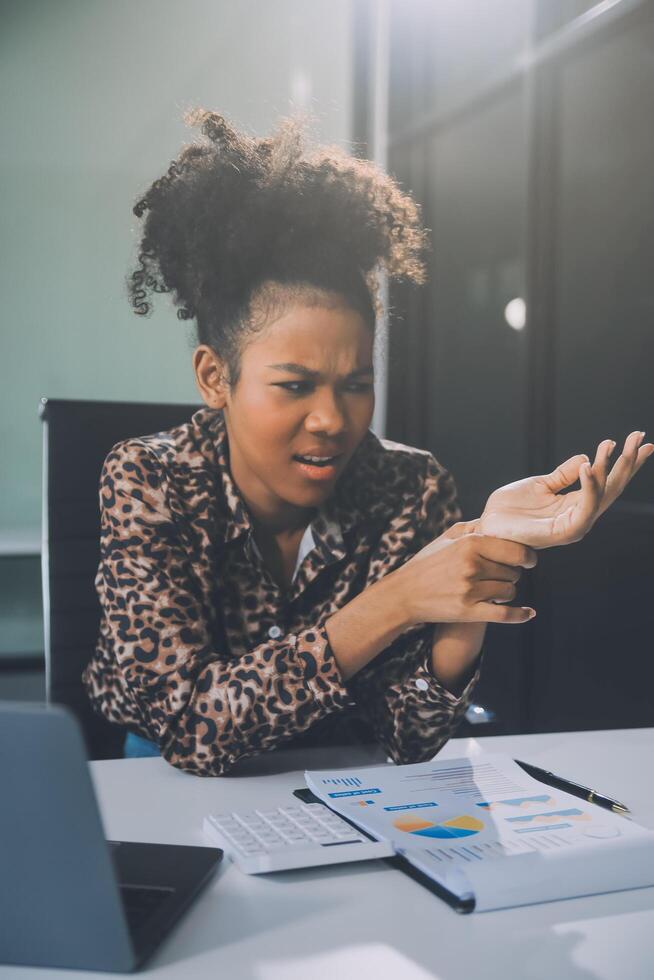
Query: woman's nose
326, 415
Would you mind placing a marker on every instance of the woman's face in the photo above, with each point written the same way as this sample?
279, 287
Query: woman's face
305, 389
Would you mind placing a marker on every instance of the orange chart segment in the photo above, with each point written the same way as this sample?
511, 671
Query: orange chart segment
412, 824
463, 826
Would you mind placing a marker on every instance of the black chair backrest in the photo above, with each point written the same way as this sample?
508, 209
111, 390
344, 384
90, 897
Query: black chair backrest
77, 437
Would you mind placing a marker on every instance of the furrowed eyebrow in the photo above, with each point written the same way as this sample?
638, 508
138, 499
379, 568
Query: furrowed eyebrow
308, 373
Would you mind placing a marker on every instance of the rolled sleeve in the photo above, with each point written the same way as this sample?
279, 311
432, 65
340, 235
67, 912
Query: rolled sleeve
321, 672
434, 692
412, 713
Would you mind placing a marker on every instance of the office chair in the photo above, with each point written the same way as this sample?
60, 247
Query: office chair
77, 436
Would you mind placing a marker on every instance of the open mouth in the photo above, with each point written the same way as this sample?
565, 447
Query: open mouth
319, 461
318, 468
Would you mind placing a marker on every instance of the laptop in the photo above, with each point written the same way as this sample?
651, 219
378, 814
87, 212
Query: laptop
68, 897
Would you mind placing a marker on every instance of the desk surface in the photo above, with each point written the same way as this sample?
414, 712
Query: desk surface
369, 920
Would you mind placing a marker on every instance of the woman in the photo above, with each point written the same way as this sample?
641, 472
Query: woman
272, 567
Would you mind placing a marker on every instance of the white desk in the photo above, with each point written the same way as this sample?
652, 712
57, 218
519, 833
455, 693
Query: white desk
369, 921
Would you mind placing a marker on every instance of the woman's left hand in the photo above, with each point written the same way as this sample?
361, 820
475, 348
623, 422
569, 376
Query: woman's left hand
535, 513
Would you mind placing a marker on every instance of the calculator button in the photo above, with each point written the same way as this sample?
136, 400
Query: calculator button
334, 824
280, 821
269, 837
228, 833
289, 831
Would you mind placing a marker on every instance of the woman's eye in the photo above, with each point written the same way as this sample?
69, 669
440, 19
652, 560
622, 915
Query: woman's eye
304, 387
295, 387
359, 386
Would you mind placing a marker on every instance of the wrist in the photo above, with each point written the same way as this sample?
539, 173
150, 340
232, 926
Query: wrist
460, 529
366, 625
394, 590
397, 592
455, 651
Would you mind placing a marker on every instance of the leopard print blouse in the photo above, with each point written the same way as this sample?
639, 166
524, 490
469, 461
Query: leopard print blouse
201, 651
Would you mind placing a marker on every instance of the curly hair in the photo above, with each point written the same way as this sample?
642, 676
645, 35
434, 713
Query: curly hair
239, 225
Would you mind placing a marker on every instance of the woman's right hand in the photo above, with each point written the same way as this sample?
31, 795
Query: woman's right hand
464, 577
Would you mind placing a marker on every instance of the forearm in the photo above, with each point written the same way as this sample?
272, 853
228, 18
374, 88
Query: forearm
455, 650
456, 646
366, 626
377, 616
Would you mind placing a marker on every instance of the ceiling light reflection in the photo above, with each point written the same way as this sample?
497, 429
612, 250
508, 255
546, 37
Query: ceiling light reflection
515, 313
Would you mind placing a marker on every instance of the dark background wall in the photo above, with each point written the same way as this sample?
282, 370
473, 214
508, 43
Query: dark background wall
524, 131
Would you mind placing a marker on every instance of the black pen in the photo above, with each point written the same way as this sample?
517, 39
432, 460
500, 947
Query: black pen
575, 789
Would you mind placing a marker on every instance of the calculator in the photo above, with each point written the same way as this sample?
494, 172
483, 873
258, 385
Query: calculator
302, 835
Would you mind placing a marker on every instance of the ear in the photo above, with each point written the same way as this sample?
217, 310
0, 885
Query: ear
210, 376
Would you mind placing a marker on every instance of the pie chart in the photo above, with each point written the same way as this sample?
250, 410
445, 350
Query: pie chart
463, 826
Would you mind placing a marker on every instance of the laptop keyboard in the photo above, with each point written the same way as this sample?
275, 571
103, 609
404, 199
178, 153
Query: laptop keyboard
142, 902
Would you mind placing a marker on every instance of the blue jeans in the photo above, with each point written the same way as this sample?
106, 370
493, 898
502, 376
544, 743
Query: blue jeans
137, 747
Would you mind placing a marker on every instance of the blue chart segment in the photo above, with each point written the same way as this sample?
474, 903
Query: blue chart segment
353, 792
522, 802
410, 806
540, 829
463, 826
553, 820
552, 816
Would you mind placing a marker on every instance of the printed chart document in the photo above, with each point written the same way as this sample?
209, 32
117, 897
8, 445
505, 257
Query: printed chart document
485, 830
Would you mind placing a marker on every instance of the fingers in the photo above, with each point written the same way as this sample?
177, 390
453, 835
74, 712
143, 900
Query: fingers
601, 462
592, 491
644, 453
488, 612
493, 571
626, 466
504, 552
566, 474
488, 591
632, 458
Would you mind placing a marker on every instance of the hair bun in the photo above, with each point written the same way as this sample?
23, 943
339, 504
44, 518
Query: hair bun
233, 210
